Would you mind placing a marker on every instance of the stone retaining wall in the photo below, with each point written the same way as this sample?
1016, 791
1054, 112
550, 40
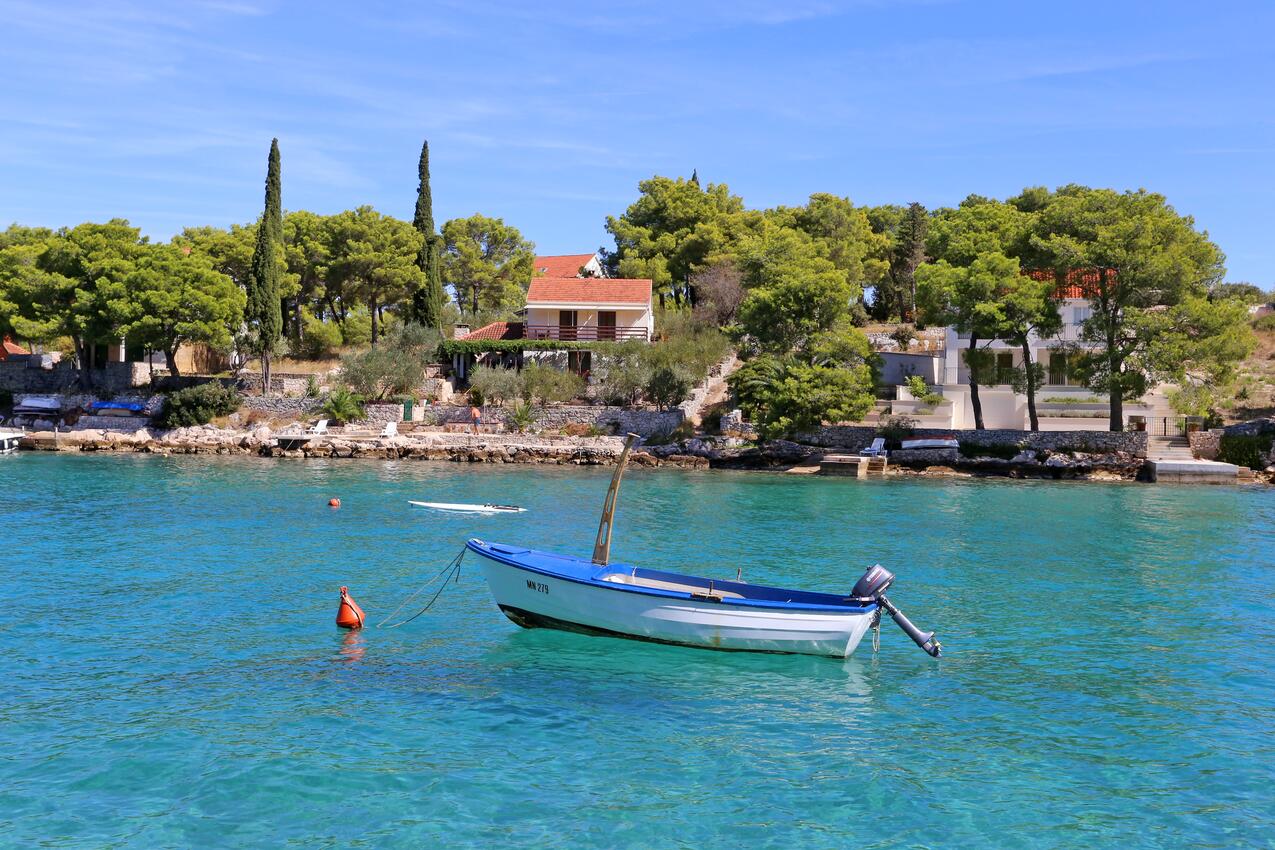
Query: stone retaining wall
282, 408
855, 437
1205, 444
22, 376
618, 419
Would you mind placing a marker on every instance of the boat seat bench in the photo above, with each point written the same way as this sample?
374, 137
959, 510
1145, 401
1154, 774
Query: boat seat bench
657, 584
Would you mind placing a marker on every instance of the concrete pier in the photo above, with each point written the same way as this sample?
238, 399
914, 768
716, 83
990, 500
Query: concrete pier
1192, 472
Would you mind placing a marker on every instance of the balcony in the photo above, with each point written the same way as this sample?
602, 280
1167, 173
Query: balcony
584, 333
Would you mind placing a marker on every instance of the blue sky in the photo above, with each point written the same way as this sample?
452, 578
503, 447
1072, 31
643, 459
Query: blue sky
548, 114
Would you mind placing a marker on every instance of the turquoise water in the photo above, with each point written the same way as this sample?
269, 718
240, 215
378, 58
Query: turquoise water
173, 678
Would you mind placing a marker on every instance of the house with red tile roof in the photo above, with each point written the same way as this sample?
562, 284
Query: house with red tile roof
568, 265
570, 309
9, 348
580, 309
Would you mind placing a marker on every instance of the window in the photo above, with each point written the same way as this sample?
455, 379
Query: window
1080, 315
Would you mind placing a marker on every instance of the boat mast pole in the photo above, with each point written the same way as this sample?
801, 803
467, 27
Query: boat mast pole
602, 547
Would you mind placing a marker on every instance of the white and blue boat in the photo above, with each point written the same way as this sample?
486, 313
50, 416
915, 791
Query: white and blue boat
538, 589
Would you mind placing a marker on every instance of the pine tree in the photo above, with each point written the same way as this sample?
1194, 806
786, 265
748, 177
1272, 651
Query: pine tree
909, 252
427, 300
264, 312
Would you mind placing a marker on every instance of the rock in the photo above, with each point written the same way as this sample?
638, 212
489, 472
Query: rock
1057, 462
1027, 456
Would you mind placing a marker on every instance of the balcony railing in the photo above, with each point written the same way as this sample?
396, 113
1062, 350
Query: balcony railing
584, 333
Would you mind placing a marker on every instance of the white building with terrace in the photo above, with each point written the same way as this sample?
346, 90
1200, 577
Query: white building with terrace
1062, 404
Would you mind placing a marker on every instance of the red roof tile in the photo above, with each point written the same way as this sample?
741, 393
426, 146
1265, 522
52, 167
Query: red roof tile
562, 265
9, 347
1078, 283
597, 290
497, 330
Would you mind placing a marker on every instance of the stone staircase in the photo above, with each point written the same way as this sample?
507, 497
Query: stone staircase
1168, 448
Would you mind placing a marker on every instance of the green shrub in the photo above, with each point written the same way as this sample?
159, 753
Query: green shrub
496, 385
311, 387
1245, 450
667, 387
319, 339
623, 372
1265, 323
356, 329
395, 367
522, 415
198, 405
1073, 399
921, 391
896, 429
1192, 400
343, 406
545, 384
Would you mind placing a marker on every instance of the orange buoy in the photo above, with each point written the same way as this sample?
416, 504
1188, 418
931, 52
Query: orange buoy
349, 615
335, 503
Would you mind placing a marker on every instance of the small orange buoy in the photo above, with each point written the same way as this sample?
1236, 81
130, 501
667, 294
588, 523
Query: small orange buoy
336, 503
349, 615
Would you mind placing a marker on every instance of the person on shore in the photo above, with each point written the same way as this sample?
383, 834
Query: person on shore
475, 416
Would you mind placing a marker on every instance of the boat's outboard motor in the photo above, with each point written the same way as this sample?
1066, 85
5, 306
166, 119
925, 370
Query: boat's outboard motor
872, 587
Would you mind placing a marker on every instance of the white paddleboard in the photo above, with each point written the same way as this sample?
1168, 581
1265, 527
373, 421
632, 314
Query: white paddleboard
469, 509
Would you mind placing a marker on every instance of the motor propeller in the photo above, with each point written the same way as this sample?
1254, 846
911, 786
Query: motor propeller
871, 588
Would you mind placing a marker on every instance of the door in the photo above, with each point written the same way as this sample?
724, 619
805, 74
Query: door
567, 324
606, 324
1004, 367
580, 362
1058, 368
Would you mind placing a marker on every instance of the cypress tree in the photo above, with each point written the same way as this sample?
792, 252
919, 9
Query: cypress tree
427, 300
264, 311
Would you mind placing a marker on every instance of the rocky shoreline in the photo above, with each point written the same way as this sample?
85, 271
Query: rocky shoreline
698, 453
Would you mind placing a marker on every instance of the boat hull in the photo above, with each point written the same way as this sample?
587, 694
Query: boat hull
536, 600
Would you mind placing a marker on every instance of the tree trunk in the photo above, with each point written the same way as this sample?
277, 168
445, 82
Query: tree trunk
171, 356
1116, 420
975, 401
83, 351
1030, 380
298, 324
265, 374
373, 311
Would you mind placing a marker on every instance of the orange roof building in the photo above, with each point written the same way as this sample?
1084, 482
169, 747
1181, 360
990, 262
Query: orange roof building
568, 265
9, 348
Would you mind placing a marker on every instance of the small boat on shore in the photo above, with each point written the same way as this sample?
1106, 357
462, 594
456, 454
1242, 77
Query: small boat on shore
9, 439
538, 589
457, 507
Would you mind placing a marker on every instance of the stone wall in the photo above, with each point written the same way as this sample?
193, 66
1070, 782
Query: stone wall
1205, 444
282, 408
27, 377
379, 414
855, 437
618, 419
288, 384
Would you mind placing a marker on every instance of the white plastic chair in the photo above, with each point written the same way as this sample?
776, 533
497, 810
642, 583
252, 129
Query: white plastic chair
877, 449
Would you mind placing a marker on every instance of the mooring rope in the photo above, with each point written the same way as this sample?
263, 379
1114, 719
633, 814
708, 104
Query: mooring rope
451, 570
